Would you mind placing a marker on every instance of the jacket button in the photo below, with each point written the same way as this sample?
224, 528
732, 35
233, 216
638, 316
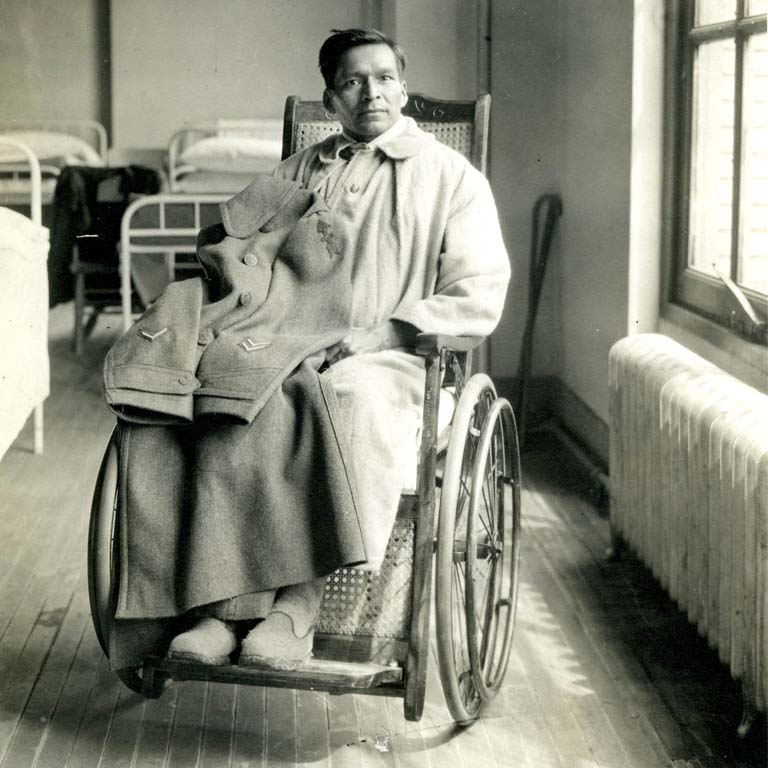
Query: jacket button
245, 298
205, 337
184, 379
250, 259
354, 188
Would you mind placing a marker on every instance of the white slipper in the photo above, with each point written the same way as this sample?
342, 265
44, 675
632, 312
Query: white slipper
210, 641
274, 644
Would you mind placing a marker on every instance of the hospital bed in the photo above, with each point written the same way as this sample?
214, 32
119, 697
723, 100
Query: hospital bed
24, 364
206, 163
222, 156
55, 143
373, 633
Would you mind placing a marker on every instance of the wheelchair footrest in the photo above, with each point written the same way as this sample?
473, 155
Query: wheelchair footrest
314, 674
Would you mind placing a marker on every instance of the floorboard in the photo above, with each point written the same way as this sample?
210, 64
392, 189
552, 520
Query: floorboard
605, 671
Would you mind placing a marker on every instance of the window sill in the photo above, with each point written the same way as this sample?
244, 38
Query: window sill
741, 358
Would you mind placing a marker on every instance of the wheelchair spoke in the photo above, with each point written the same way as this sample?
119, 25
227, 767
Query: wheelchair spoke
480, 607
488, 625
468, 690
488, 622
460, 583
465, 477
490, 492
486, 521
467, 469
485, 526
484, 594
462, 502
460, 648
461, 614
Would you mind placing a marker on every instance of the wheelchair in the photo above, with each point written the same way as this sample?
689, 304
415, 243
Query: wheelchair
373, 632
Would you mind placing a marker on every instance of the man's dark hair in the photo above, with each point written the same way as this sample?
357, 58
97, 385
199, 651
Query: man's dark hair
342, 40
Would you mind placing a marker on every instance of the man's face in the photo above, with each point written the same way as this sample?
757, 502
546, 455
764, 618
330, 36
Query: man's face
368, 93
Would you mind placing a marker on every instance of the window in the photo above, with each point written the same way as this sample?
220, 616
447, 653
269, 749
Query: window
719, 143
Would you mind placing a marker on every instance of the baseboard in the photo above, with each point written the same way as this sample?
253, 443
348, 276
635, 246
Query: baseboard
582, 422
542, 391
549, 399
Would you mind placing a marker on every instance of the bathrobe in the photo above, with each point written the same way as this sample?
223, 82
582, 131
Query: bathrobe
424, 238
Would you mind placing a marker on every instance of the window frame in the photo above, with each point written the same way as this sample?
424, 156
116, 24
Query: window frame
703, 294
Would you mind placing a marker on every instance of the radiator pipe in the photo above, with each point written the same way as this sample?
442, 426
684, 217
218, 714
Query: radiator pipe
596, 473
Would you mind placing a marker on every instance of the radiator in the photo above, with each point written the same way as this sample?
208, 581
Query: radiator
689, 493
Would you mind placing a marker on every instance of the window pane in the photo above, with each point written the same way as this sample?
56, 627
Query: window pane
709, 241
754, 173
712, 11
753, 7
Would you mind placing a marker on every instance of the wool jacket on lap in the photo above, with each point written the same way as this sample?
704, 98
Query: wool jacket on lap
277, 291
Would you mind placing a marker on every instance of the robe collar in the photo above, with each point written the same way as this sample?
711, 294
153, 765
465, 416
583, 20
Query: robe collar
403, 140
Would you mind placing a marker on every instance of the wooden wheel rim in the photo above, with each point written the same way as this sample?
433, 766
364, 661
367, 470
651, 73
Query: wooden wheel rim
461, 695
101, 533
488, 659
102, 578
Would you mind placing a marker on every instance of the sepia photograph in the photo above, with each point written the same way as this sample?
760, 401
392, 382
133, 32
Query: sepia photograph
383, 383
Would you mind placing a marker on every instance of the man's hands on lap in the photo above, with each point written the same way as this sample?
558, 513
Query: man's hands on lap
387, 335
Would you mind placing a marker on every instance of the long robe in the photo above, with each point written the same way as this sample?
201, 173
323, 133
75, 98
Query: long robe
424, 234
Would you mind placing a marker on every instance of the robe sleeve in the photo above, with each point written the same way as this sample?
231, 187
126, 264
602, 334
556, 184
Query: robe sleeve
473, 267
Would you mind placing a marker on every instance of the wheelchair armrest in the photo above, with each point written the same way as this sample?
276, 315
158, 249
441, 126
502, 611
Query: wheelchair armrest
434, 343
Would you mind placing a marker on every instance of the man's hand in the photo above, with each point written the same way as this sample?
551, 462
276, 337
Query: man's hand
386, 335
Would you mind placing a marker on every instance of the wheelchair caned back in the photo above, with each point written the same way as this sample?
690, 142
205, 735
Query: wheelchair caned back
461, 125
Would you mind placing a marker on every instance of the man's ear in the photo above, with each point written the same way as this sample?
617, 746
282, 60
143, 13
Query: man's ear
404, 94
327, 103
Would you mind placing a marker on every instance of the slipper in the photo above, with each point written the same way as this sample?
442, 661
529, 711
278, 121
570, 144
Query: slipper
210, 641
274, 644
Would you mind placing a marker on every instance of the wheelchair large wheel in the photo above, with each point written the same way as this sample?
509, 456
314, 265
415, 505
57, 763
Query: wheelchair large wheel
477, 549
103, 564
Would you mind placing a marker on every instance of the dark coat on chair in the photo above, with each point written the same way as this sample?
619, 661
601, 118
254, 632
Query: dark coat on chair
88, 205
234, 477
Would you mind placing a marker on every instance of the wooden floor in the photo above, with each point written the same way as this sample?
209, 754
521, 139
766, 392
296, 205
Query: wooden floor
605, 670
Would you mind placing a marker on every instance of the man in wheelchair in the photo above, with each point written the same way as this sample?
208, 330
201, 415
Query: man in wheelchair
404, 238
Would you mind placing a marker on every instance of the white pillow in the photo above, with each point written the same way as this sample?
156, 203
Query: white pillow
233, 154
50, 146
